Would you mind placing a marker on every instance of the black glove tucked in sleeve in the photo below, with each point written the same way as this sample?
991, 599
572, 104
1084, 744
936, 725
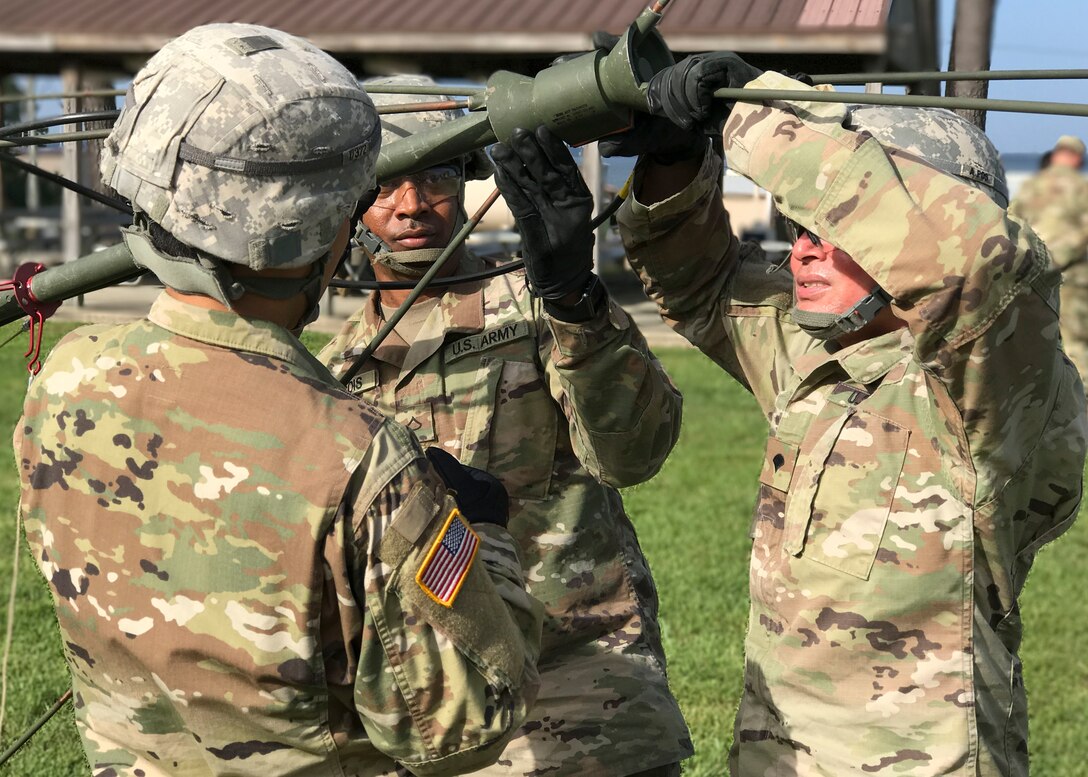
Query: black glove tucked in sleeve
480, 496
552, 208
684, 92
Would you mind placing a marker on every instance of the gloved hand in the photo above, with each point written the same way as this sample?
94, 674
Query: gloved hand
684, 92
655, 137
552, 208
480, 496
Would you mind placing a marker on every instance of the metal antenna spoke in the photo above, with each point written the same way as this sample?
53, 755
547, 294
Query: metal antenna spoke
908, 100
116, 203
60, 137
25, 327
439, 105
35, 727
436, 90
56, 121
845, 79
23, 98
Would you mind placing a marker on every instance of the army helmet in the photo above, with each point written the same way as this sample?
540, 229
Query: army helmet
395, 126
939, 138
246, 143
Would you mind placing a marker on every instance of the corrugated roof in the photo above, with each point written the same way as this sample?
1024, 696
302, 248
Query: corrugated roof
445, 25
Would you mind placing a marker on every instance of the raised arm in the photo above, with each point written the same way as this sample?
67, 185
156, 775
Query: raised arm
621, 407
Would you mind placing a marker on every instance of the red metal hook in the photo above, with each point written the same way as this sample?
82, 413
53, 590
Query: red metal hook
35, 309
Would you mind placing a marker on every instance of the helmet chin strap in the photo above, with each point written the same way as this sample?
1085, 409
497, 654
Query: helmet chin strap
828, 326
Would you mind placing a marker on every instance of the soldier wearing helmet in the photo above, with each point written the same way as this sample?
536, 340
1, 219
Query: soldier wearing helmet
255, 573
927, 434
1055, 203
540, 378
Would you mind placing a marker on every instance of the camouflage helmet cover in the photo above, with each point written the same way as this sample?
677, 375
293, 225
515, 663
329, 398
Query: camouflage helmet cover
401, 125
941, 139
1070, 143
247, 143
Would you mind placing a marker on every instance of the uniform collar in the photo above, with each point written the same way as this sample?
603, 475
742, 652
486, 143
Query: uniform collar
872, 359
227, 329
460, 309
864, 362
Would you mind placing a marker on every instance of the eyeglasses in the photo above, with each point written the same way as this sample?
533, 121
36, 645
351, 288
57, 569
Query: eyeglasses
795, 230
433, 185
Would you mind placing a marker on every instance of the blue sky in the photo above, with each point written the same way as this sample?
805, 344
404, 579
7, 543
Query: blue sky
1033, 34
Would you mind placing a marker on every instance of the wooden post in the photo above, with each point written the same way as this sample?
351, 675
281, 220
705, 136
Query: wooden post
972, 36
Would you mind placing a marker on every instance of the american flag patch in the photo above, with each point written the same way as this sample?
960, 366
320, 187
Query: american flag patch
447, 564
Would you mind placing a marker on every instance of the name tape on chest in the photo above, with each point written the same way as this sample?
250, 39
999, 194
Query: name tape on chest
449, 560
488, 339
364, 381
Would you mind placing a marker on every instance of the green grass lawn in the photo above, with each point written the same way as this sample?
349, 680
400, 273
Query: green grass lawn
692, 520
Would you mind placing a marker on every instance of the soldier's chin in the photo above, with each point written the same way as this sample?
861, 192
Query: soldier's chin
817, 306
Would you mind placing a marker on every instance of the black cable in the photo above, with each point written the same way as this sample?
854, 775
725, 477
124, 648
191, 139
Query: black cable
57, 121
113, 202
453, 280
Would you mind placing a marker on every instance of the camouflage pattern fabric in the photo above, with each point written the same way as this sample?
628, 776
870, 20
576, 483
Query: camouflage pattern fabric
1055, 203
909, 479
563, 414
235, 582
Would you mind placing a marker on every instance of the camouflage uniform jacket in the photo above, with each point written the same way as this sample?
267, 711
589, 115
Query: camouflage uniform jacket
562, 414
232, 544
908, 479
1055, 203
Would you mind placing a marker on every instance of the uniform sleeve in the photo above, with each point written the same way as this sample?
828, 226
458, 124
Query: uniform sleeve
622, 409
710, 287
444, 679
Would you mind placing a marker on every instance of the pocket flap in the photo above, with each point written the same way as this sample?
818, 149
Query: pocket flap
779, 461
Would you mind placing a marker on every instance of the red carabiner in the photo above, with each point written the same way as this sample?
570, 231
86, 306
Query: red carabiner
35, 309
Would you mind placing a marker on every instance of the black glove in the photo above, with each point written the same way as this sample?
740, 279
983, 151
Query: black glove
480, 497
655, 137
684, 93
552, 208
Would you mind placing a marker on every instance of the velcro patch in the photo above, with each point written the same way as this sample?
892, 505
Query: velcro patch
443, 572
253, 44
489, 339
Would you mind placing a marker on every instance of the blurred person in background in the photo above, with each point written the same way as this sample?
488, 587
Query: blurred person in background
1055, 203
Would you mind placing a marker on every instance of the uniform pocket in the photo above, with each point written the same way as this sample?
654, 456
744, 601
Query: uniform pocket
419, 420
511, 432
837, 515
